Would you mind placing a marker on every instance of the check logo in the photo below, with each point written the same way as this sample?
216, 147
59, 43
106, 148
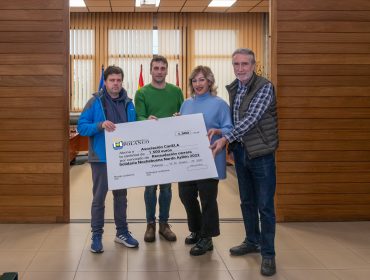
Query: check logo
118, 145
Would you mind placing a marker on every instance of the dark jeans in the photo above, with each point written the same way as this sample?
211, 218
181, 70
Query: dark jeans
257, 184
206, 221
100, 189
150, 198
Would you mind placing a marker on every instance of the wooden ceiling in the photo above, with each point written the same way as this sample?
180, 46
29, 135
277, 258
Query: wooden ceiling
173, 6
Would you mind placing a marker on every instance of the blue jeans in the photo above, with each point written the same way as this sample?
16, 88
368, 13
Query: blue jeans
100, 189
150, 198
257, 184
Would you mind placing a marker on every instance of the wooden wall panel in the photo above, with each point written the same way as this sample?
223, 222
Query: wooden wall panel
16, 124
39, 113
34, 164
50, 91
30, 190
323, 87
18, 58
327, 5
24, 70
29, 25
34, 157
33, 15
322, 188
319, 212
323, 37
317, 15
324, 91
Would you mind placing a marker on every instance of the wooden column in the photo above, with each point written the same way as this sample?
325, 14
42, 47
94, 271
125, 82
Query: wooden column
323, 79
34, 166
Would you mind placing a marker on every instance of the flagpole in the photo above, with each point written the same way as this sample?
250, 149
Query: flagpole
177, 75
101, 82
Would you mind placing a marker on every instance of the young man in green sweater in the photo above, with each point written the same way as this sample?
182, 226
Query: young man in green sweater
158, 100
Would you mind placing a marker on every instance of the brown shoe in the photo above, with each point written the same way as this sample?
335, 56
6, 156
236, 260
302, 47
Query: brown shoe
166, 232
149, 235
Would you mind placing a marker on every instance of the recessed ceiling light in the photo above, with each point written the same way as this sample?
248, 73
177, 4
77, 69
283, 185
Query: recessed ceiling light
77, 3
221, 3
139, 3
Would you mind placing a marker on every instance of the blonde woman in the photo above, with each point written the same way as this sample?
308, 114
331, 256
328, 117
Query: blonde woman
203, 220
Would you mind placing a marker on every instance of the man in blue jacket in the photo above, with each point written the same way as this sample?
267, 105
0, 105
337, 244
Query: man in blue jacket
106, 108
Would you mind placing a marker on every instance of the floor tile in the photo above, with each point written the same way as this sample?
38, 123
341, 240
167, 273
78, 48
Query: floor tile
153, 275
255, 275
353, 274
15, 261
299, 259
22, 243
307, 274
115, 260
225, 241
144, 260
71, 229
64, 243
205, 275
55, 261
209, 261
20, 237
338, 258
250, 261
358, 239
313, 239
363, 253
55, 275
233, 228
101, 275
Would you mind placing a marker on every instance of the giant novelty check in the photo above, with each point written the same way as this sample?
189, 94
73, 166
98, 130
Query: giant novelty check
160, 151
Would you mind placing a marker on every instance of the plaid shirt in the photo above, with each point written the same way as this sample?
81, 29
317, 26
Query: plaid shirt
257, 107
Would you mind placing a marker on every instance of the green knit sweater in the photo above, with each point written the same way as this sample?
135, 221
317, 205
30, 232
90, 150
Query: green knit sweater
161, 103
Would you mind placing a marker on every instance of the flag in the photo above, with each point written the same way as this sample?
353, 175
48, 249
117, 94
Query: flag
177, 75
101, 83
141, 80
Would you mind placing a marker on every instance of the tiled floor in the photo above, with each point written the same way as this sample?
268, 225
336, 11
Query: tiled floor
305, 251
81, 196
317, 251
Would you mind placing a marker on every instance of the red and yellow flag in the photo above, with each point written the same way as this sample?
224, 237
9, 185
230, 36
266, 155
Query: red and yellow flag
141, 80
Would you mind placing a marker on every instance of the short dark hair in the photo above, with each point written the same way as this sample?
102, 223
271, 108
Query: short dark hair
112, 70
158, 58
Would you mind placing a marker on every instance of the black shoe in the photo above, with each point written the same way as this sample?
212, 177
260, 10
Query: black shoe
202, 246
268, 266
192, 238
244, 248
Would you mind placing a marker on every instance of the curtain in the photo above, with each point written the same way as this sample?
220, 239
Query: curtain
82, 54
185, 39
212, 38
130, 41
122, 39
171, 38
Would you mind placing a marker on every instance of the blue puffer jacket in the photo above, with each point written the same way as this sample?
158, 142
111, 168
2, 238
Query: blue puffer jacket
90, 124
